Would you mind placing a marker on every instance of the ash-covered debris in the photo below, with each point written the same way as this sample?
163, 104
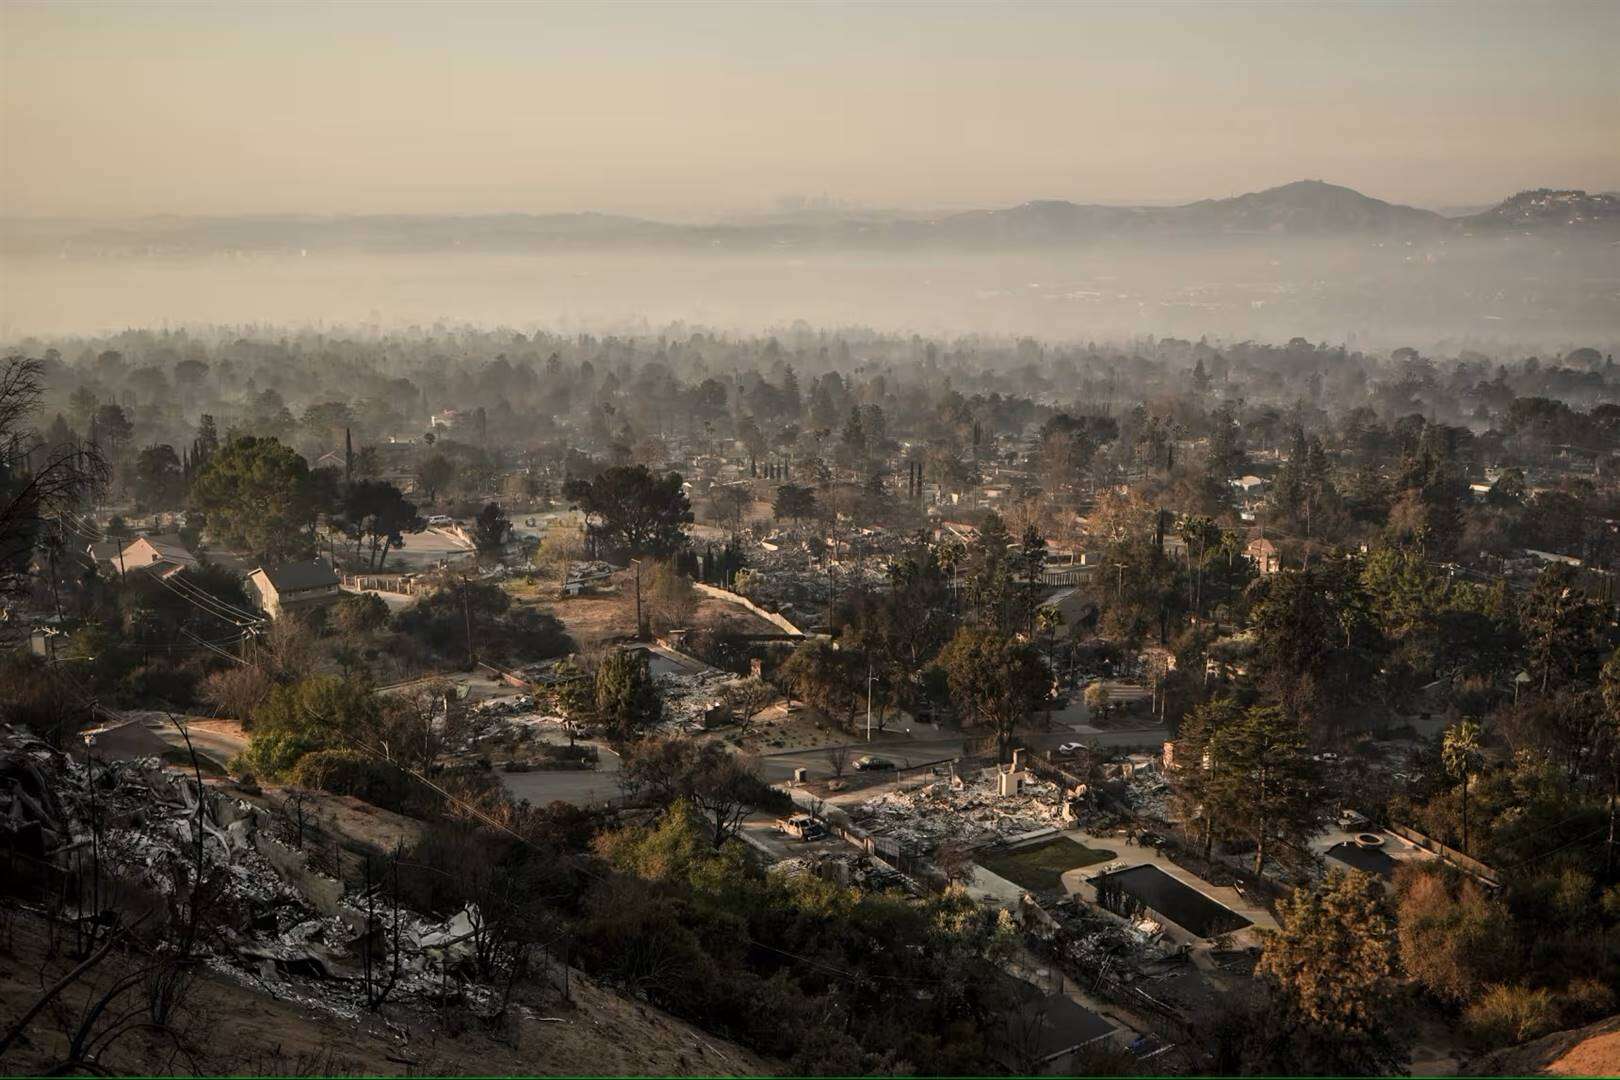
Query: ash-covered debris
849, 868
1092, 942
1144, 789
968, 811
694, 701
589, 575
277, 918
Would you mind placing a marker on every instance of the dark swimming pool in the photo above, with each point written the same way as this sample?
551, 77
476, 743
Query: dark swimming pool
1371, 860
1156, 890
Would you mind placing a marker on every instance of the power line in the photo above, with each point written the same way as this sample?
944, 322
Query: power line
1573, 843
216, 611
209, 604
212, 647
184, 583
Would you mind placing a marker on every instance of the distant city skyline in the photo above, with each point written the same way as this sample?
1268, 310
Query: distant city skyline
691, 111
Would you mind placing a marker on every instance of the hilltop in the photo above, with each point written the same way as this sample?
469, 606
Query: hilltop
1545, 207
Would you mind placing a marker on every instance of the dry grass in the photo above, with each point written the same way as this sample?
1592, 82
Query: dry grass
592, 620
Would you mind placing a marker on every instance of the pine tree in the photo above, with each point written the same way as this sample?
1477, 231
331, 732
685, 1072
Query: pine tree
1332, 968
626, 698
1267, 786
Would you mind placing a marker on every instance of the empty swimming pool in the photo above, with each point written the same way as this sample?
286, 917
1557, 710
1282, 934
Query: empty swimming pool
1125, 891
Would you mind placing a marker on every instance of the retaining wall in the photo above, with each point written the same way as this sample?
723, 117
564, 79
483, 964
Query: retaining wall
779, 621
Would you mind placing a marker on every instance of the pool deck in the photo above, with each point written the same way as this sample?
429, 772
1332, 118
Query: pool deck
1397, 849
1127, 855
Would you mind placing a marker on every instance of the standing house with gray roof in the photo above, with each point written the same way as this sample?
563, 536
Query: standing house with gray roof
293, 587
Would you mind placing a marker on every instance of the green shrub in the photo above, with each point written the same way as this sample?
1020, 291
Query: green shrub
346, 772
1585, 1000
1511, 1014
316, 714
362, 613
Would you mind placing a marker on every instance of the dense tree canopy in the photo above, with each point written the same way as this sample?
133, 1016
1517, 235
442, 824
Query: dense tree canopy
634, 510
257, 496
377, 517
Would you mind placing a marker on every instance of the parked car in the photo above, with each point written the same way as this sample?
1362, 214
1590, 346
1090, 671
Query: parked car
801, 827
1071, 748
441, 519
869, 763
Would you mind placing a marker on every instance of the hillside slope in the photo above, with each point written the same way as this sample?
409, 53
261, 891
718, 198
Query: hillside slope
228, 1027
1546, 208
1593, 1050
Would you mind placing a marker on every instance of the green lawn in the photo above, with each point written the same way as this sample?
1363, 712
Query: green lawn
1040, 867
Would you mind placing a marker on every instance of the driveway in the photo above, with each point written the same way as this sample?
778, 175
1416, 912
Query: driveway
759, 830
149, 734
394, 601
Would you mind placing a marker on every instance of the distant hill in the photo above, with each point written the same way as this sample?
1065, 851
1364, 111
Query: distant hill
1305, 208
1546, 208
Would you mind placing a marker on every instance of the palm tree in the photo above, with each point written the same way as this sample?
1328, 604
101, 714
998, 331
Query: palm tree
1047, 621
1460, 750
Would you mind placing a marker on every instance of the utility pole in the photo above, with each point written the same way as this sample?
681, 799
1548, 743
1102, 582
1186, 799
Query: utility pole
641, 631
50, 550
466, 611
869, 701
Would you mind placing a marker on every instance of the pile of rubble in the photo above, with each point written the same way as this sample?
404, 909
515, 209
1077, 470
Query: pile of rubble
966, 811
1148, 794
588, 575
693, 701
1096, 943
789, 581
848, 868
283, 923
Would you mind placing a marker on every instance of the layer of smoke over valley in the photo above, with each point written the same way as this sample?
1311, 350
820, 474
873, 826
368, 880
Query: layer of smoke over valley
1538, 292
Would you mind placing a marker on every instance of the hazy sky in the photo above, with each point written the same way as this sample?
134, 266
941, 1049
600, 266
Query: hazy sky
691, 109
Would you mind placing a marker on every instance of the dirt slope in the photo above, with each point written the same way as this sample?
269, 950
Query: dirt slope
226, 1027
1593, 1050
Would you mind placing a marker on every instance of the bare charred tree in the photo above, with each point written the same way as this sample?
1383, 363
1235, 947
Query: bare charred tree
955, 861
132, 982
37, 480
838, 759
746, 700
721, 790
380, 967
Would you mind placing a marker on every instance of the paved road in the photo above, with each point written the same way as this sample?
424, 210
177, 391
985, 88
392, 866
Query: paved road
151, 734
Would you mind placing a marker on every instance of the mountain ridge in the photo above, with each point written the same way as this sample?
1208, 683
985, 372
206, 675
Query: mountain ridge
1301, 208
